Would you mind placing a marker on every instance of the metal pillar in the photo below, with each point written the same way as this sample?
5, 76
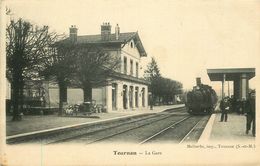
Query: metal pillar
236, 89
244, 86
223, 85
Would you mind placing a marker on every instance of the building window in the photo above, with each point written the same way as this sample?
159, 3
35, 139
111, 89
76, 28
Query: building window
136, 69
132, 44
131, 67
125, 65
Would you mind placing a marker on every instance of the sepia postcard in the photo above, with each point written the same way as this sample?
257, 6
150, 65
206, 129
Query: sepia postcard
148, 82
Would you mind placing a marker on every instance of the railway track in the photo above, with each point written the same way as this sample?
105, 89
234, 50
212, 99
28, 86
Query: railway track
64, 136
195, 132
122, 128
190, 134
164, 130
197, 124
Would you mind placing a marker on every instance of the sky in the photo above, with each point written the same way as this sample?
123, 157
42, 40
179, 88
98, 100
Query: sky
186, 37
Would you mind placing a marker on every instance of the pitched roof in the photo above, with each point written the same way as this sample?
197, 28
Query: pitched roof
123, 39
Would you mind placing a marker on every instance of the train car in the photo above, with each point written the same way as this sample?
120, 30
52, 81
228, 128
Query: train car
201, 100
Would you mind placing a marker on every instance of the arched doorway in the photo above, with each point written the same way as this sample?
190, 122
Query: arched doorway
131, 91
143, 97
125, 96
114, 96
136, 96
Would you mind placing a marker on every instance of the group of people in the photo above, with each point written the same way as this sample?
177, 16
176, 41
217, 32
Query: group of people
247, 107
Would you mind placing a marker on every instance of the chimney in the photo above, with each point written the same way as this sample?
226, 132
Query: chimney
117, 31
105, 31
198, 81
73, 33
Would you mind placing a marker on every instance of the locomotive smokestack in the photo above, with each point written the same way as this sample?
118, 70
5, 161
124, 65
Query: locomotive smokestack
198, 81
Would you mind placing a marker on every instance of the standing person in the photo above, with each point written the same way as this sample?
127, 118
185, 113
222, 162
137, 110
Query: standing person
250, 113
224, 107
151, 101
233, 104
239, 107
244, 105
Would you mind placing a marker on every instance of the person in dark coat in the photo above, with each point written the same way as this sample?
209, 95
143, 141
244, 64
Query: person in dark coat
151, 101
250, 113
233, 104
224, 107
239, 107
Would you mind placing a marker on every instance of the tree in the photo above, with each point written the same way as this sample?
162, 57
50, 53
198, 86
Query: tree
152, 74
163, 89
152, 70
94, 65
25, 48
59, 65
169, 88
82, 65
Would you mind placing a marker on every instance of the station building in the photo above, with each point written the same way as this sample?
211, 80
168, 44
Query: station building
125, 89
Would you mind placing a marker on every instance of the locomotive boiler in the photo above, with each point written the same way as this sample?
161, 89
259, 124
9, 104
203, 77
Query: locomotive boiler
201, 100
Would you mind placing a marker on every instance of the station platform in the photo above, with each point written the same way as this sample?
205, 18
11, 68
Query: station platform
234, 130
44, 123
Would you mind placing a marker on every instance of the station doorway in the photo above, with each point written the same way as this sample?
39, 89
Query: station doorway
125, 96
143, 97
114, 96
136, 96
131, 96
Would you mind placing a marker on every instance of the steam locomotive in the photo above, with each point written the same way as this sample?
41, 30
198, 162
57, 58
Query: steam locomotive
201, 100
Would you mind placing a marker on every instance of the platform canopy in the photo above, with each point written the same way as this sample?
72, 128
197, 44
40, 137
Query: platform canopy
231, 73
